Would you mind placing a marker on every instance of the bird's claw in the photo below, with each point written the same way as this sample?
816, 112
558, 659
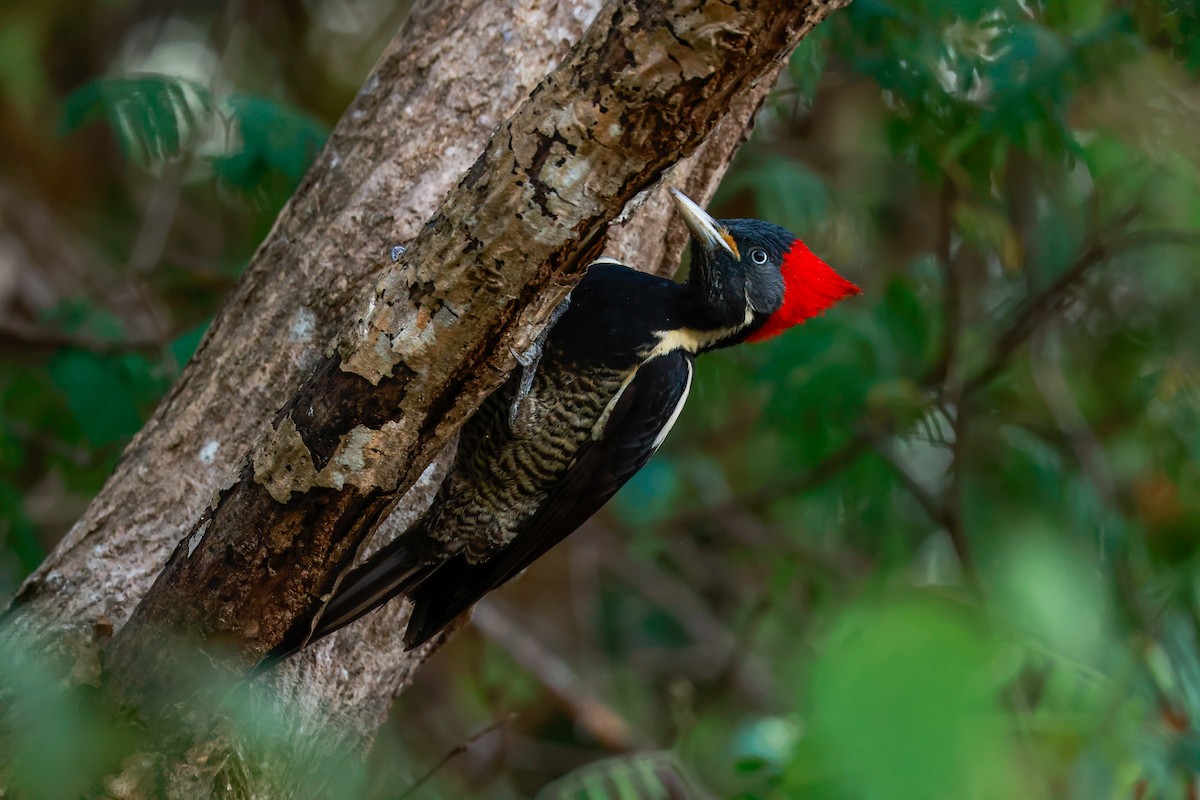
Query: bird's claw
529, 358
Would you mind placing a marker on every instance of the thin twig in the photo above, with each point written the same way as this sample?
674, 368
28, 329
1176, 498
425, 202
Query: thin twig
922, 495
824, 471
948, 510
587, 710
25, 339
952, 287
939, 510
1056, 297
951, 518
1034, 312
1052, 300
867, 435
684, 603
735, 659
455, 751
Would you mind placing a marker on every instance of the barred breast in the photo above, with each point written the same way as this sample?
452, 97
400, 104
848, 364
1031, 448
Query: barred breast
505, 469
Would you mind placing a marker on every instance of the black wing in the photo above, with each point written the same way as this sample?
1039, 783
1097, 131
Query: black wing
638, 424
392, 571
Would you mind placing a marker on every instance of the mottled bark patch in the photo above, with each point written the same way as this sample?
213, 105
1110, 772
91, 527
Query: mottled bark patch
282, 462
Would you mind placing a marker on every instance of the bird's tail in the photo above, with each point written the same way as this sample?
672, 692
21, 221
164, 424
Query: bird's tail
395, 570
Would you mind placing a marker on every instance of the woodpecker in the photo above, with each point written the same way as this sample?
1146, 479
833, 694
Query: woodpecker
590, 405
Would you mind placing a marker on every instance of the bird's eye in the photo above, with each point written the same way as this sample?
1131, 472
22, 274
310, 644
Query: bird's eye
758, 256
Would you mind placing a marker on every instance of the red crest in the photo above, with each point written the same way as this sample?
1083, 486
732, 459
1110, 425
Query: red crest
810, 287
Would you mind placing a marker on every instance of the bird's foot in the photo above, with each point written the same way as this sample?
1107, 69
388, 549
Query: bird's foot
529, 358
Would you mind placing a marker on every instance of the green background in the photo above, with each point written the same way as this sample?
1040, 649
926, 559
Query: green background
939, 543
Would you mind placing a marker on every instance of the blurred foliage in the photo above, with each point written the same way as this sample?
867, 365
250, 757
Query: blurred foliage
156, 118
58, 742
151, 116
940, 543
646, 776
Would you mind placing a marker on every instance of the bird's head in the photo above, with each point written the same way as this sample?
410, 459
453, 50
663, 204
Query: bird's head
757, 278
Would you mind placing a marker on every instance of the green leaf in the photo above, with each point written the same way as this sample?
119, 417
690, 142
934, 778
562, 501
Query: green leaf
765, 742
153, 117
1052, 594
904, 704
750, 765
277, 145
807, 64
60, 742
184, 346
785, 191
904, 325
104, 393
18, 535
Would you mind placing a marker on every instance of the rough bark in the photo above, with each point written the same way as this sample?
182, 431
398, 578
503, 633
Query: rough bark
645, 85
453, 72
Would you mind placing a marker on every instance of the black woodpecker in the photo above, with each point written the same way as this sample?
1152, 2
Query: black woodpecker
550, 447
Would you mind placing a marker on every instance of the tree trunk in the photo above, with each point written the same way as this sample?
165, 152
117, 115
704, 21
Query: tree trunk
649, 81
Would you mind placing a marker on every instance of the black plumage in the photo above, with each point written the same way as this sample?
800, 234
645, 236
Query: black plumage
548, 449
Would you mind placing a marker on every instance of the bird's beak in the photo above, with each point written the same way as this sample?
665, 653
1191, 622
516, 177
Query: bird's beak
704, 228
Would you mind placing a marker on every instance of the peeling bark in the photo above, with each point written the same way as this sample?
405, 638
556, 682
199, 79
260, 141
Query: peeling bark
643, 89
645, 85
453, 72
